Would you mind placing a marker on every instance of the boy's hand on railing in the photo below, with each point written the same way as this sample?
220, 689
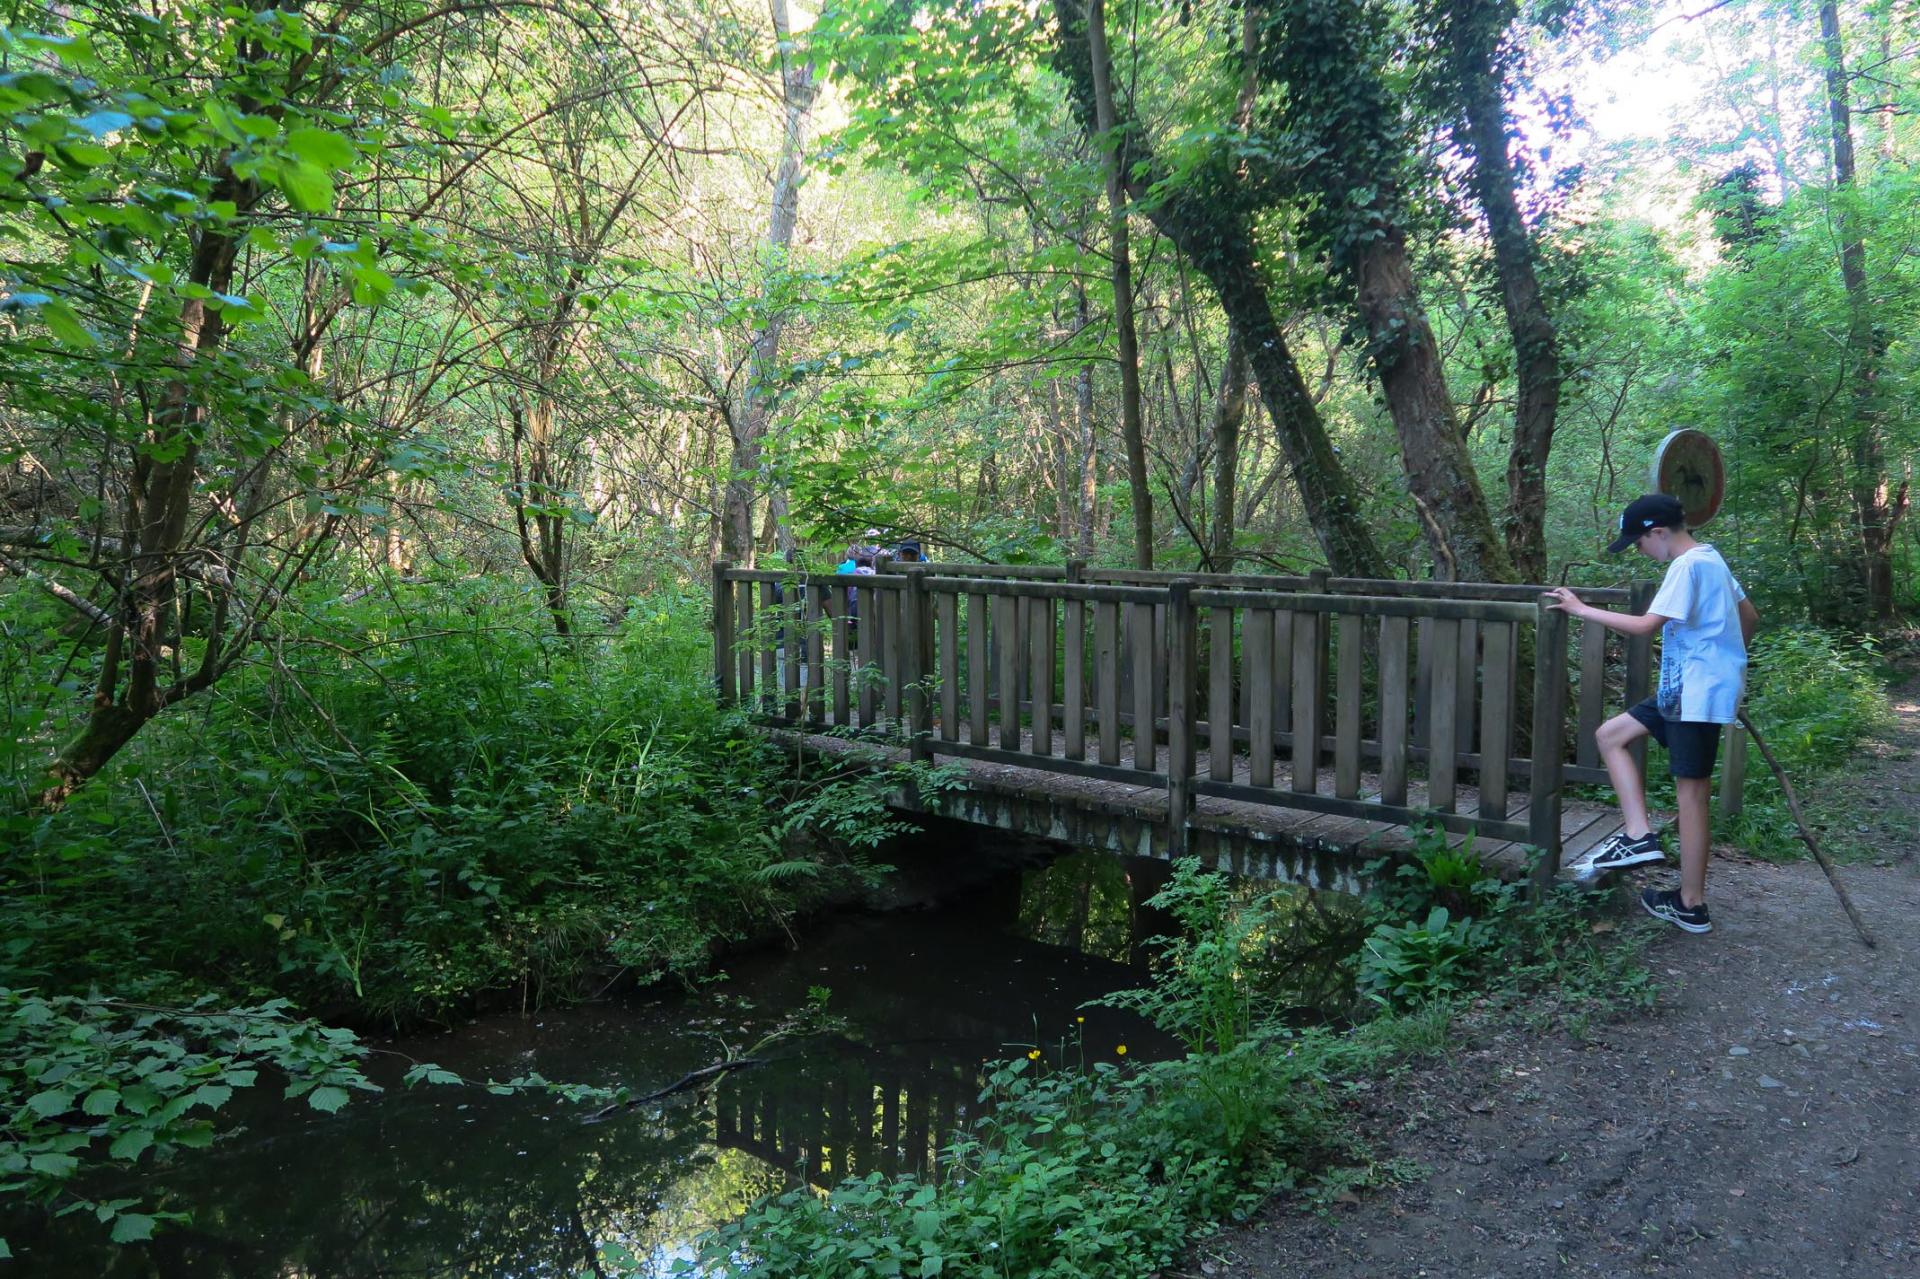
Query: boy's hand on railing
1563, 599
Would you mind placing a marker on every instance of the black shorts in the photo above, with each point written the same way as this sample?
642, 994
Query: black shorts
1692, 745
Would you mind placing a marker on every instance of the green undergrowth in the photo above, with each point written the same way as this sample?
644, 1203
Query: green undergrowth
392, 818
408, 809
1111, 1169
1444, 927
1817, 696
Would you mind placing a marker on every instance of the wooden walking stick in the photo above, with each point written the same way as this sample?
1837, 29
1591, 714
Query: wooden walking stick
1806, 832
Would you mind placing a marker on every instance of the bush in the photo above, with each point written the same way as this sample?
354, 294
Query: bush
1411, 963
408, 809
1444, 925
1816, 696
95, 1080
413, 807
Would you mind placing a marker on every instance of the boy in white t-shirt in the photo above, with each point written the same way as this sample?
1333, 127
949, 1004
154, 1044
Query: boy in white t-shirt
1705, 622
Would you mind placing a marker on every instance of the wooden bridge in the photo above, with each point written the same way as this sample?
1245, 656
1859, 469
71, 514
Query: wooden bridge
1290, 727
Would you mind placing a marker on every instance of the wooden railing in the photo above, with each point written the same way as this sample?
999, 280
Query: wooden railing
1384, 700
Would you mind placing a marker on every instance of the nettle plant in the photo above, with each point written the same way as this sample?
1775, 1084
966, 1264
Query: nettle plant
91, 1081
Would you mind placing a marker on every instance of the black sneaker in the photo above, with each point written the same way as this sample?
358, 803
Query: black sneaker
1666, 905
1616, 853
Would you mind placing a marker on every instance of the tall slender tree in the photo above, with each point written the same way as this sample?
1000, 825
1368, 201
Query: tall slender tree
1475, 54
1879, 505
1111, 143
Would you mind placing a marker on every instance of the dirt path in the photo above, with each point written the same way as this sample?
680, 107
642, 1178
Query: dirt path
1763, 1120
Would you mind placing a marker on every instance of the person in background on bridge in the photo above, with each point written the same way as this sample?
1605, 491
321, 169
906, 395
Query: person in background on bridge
1705, 621
860, 561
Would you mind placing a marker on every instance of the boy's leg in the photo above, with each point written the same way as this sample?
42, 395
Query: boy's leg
1615, 739
1695, 794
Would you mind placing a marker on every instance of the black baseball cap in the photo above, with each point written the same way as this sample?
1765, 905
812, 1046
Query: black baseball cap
1655, 510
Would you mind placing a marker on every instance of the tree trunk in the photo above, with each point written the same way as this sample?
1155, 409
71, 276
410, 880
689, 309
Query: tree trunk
1479, 29
1089, 478
1440, 474
1877, 507
1218, 242
158, 502
749, 424
1114, 161
1229, 411
542, 526
108, 728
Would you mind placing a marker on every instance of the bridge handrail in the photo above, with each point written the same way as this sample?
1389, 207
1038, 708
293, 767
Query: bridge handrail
1317, 581
1003, 668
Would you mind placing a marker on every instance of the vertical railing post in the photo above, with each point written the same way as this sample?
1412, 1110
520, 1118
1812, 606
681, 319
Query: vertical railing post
723, 633
1549, 710
1319, 582
916, 626
1733, 771
1180, 705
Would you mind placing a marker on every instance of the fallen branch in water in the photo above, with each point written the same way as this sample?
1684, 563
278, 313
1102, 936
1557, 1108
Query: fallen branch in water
686, 1081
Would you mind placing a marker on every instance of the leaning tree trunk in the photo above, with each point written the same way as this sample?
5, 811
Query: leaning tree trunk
1440, 475
158, 502
1479, 27
1114, 163
1218, 242
1877, 506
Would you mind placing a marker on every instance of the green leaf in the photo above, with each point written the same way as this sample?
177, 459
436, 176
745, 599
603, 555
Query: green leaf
212, 1096
321, 148
327, 1098
54, 1101
131, 1144
132, 1227
65, 324
308, 187
54, 1165
196, 1136
101, 1101
222, 120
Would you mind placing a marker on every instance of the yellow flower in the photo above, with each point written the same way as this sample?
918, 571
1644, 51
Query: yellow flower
1034, 1055
1080, 1021
1121, 1050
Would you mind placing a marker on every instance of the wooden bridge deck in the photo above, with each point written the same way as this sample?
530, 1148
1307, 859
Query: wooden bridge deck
1325, 850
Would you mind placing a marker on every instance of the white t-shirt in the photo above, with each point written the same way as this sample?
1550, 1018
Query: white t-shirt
1703, 655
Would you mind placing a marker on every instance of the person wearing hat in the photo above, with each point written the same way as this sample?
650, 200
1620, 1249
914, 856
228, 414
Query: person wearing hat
1705, 621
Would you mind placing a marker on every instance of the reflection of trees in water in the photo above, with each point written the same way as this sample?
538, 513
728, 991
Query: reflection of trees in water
1085, 902
853, 1111
414, 1190
453, 1183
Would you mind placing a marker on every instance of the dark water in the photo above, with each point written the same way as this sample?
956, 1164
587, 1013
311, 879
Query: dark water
441, 1181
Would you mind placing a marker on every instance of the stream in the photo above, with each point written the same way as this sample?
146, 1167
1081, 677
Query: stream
454, 1181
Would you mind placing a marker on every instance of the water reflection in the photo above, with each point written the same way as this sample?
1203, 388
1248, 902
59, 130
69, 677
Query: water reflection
848, 1112
456, 1182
